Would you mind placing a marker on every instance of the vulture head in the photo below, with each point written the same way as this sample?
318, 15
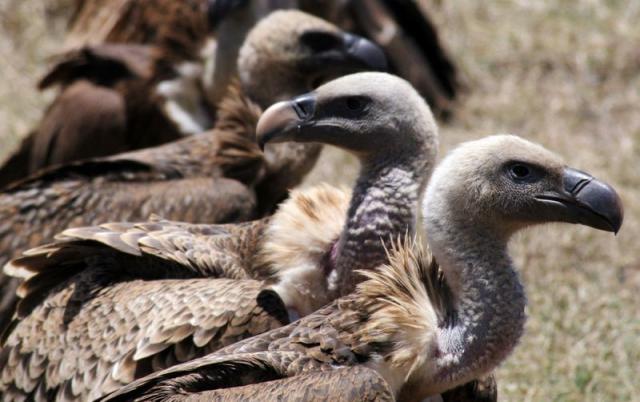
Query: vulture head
361, 114
506, 183
290, 52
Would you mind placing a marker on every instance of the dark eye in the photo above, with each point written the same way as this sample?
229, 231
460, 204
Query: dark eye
520, 171
355, 103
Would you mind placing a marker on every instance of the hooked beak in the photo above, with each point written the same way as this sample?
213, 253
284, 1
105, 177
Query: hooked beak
363, 51
585, 200
283, 120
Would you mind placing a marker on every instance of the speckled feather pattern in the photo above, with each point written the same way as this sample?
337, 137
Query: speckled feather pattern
92, 271
353, 331
183, 181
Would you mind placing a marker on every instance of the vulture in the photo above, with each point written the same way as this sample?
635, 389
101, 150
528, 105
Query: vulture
424, 322
214, 177
170, 61
402, 28
105, 305
122, 96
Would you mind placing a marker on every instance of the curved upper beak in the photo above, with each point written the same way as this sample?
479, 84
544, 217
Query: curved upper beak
363, 51
283, 120
585, 200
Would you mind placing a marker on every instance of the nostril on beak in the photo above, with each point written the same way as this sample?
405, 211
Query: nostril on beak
304, 106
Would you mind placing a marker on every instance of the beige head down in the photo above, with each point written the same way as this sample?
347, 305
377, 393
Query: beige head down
290, 52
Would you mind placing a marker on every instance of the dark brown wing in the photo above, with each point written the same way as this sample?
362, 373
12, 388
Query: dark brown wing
93, 335
90, 117
353, 384
86, 120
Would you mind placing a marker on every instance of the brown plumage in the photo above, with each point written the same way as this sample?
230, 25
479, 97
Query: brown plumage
149, 22
423, 327
352, 333
402, 28
217, 176
134, 91
106, 106
301, 255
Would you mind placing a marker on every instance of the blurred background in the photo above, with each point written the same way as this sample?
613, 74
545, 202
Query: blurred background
565, 74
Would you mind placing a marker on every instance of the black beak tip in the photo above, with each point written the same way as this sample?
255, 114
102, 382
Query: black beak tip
600, 199
367, 52
373, 54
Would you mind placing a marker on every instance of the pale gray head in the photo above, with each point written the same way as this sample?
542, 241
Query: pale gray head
506, 183
373, 115
290, 52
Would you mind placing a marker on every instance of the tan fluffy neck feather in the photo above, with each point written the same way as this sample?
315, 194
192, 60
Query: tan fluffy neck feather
300, 238
405, 300
239, 154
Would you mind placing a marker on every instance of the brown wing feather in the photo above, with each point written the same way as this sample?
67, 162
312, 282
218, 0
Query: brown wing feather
152, 250
114, 333
207, 373
317, 342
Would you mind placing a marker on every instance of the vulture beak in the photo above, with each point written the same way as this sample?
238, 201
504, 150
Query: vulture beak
341, 50
585, 200
363, 51
283, 121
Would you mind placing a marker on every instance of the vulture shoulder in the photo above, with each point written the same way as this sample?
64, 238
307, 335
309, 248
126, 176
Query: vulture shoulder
65, 135
103, 64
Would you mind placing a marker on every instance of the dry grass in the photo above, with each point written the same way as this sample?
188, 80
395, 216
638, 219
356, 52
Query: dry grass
565, 74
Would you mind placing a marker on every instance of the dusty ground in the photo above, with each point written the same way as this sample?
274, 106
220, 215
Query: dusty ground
565, 74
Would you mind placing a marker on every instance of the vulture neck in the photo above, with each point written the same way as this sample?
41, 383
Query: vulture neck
488, 299
384, 206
